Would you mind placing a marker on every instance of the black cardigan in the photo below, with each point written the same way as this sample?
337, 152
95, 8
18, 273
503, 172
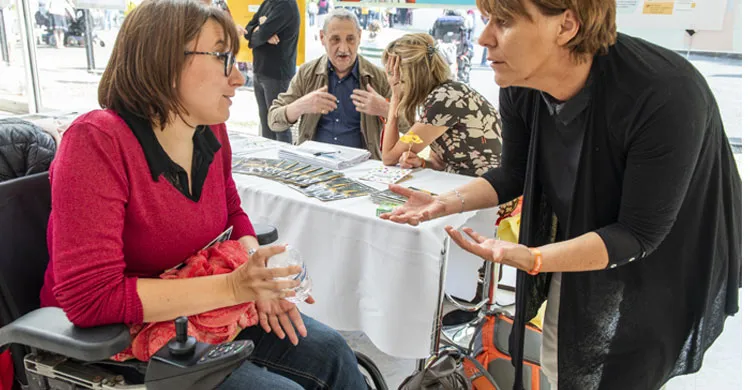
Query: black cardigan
277, 62
658, 182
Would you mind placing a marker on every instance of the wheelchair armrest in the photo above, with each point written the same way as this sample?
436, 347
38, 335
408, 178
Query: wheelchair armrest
266, 234
50, 330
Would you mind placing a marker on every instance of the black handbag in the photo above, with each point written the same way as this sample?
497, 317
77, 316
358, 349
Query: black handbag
445, 372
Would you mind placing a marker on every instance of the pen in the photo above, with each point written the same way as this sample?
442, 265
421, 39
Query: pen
324, 153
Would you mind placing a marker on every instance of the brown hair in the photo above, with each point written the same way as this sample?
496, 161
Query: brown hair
598, 30
422, 69
149, 55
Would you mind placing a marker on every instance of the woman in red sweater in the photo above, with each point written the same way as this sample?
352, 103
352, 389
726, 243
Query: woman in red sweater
143, 184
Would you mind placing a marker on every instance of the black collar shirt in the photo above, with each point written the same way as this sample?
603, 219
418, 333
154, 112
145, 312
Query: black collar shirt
205, 146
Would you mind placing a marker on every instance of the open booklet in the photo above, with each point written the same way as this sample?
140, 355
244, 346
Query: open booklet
326, 155
225, 235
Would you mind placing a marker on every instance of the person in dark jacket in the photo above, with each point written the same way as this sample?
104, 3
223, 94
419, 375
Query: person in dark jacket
631, 223
25, 149
273, 34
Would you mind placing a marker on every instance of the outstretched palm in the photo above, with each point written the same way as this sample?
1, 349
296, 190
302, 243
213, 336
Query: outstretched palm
419, 207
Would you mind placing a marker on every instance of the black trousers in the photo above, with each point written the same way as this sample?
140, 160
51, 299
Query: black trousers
266, 90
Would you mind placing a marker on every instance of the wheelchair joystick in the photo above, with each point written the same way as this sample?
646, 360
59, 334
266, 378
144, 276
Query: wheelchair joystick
182, 344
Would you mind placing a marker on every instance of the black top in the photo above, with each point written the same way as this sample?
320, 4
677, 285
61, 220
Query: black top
657, 180
278, 62
560, 146
205, 146
471, 144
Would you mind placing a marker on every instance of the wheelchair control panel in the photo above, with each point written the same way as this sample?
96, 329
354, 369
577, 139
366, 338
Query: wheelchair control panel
187, 364
226, 350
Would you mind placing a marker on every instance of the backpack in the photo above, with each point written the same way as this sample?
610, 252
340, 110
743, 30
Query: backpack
492, 352
491, 342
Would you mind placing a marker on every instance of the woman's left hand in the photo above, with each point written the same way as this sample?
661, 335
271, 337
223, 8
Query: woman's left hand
392, 69
282, 317
498, 251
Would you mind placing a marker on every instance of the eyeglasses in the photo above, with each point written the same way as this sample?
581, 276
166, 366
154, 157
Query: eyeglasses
228, 58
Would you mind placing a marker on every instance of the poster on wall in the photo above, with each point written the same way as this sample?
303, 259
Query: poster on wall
468, 4
626, 6
243, 11
672, 14
101, 4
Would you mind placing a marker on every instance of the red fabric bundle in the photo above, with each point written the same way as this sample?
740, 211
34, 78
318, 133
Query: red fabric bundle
214, 327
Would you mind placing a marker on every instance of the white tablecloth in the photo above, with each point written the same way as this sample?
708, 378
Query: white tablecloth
368, 274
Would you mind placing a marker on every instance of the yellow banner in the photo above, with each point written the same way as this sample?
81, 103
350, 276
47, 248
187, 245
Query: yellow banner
243, 11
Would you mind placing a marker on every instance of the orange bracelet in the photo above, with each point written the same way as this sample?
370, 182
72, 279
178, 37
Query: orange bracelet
537, 261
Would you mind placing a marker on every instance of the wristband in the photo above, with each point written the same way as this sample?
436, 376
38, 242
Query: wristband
537, 261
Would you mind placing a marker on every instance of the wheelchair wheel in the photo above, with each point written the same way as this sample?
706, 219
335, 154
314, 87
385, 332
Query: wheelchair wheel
373, 372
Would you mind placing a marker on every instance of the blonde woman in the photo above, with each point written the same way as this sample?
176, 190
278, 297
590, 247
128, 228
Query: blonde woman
460, 126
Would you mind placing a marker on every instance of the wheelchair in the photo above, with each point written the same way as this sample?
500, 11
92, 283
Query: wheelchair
49, 352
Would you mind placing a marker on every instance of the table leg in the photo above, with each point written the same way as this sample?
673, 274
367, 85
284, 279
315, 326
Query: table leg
437, 323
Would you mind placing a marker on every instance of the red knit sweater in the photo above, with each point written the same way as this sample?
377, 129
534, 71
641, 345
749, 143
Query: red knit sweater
111, 223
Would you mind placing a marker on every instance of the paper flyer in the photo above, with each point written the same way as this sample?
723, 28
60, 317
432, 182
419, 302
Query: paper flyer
626, 6
658, 7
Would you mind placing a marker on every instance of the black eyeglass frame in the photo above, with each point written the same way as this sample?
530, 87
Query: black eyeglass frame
228, 56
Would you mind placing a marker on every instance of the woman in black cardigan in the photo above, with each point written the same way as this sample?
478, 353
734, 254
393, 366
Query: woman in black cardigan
631, 215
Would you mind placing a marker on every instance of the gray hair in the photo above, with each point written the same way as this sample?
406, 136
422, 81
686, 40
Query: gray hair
341, 14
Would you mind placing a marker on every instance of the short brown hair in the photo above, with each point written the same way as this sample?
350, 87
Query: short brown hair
149, 55
598, 29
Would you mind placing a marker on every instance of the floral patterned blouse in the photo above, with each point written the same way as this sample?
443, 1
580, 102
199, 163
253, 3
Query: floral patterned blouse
471, 145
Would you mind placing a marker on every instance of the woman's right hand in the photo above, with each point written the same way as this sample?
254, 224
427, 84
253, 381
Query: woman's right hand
252, 281
419, 207
393, 72
410, 160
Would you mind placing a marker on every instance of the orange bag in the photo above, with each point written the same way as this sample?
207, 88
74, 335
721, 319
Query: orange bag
491, 349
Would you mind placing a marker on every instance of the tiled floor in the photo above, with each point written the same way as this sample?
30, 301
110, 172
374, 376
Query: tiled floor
721, 364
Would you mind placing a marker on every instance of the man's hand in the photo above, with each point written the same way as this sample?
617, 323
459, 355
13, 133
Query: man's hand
261, 20
370, 102
274, 40
318, 101
282, 317
241, 31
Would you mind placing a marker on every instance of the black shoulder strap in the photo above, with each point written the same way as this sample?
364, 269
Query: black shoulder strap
518, 332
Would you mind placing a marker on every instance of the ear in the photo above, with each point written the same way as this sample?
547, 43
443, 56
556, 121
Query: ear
321, 38
570, 24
